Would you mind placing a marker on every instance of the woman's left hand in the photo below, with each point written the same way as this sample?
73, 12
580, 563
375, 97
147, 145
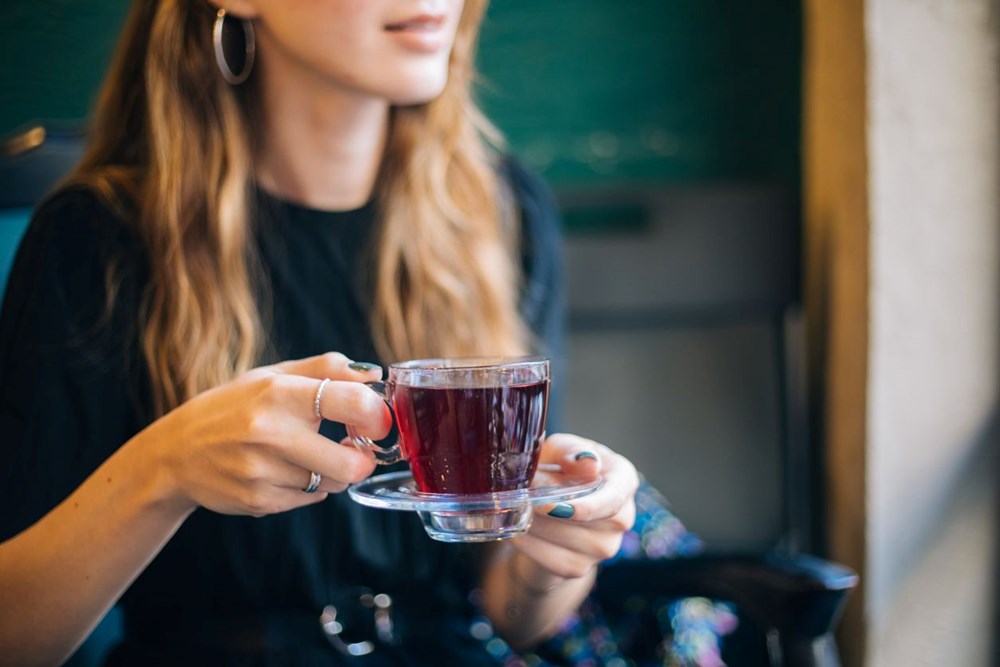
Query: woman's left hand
567, 540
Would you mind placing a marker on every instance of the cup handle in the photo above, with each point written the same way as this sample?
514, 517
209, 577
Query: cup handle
381, 455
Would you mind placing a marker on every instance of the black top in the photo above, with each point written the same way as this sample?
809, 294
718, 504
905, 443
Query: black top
74, 389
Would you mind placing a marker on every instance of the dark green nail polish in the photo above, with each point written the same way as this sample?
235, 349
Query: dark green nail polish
585, 455
562, 511
362, 366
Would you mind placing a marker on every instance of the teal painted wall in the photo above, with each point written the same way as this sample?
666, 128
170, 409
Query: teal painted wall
53, 54
638, 90
587, 91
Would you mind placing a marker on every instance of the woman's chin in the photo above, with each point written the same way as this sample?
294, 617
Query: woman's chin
418, 91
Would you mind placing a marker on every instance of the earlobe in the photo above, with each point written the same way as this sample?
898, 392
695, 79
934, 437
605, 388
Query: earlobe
240, 9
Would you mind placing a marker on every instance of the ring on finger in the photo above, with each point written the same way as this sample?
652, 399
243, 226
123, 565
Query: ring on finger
314, 481
319, 397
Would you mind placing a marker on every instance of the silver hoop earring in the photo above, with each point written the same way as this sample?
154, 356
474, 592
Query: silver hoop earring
220, 53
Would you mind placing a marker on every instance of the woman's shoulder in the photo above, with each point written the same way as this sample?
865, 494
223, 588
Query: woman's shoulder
529, 190
540, 243
536, 209
75, 236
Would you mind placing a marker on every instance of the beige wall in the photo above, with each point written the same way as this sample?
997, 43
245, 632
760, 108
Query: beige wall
933, 365
903, 289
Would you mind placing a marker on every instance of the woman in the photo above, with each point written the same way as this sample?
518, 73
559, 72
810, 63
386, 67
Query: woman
322, 186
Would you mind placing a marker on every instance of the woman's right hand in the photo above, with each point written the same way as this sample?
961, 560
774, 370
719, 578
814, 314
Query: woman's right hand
249, 446
246, 447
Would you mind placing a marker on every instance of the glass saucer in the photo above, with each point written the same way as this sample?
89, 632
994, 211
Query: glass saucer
483, 517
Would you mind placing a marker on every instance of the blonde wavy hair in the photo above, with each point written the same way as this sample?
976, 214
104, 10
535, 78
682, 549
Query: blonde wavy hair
171, 149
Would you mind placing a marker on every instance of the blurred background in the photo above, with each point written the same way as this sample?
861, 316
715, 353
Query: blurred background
783, 266
670, 132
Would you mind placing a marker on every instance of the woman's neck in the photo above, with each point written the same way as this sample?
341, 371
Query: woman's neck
322, 146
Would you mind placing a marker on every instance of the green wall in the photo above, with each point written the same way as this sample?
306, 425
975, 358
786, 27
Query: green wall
588, 91
52, 57
639, 90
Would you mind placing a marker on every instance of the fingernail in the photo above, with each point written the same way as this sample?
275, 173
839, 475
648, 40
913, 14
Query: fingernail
362, 366
585, 455
562, 511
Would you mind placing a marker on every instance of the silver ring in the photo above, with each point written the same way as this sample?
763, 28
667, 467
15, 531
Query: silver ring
314, 479
319, 397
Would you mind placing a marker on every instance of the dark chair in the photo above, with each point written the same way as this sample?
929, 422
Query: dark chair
31, 162
791, 601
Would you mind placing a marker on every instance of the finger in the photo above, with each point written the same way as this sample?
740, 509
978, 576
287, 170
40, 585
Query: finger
568, 532
591, 515
261, 470
576, 456
279, 500
601, 505
339, 465
343, 401
355, 404
618, 491
284, 474
333, 365
597, 544
326, 484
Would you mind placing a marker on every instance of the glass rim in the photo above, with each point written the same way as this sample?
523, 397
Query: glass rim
465, 364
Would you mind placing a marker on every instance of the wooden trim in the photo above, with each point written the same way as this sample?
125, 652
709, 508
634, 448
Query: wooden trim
836, 213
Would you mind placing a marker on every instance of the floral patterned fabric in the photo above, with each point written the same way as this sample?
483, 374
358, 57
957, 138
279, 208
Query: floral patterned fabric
659, 632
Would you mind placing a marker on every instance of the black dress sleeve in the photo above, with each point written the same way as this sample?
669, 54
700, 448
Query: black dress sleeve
69, 393
542, 302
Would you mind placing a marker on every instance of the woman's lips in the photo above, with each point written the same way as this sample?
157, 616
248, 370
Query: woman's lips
419, 22
424, 33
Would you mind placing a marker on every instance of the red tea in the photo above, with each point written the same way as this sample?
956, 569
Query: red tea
471, 439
